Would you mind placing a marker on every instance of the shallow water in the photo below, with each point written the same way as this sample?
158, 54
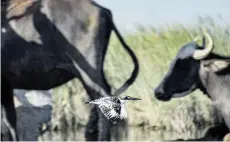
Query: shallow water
133, 134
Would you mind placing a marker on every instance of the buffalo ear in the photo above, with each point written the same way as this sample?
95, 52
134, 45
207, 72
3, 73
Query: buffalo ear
219, 65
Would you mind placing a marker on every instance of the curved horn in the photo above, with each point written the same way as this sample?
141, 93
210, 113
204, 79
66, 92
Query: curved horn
203, 53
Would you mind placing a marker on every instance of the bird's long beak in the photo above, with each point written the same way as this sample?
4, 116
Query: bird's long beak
135, 99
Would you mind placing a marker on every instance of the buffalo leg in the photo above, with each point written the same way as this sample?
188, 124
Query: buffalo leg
91, 131
8, 114
96, 87
98, 127
104, 126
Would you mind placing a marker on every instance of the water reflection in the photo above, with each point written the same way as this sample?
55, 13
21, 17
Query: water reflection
146, 134
134, 134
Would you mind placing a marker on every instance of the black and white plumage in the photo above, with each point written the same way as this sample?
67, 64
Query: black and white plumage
113, 107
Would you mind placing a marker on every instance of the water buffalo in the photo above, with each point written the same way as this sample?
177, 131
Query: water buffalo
46, 43
197, 67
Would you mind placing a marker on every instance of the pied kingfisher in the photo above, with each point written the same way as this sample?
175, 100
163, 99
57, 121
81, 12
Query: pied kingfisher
113, 107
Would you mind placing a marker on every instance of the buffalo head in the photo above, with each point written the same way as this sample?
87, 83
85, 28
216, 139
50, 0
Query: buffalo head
183, 76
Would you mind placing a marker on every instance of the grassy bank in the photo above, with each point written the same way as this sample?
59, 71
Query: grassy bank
155, 49
155, 52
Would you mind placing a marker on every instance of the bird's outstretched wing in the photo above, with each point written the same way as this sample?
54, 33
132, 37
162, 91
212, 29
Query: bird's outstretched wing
123, 113
98, 101
110, 110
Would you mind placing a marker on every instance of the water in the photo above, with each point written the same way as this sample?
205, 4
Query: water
134, 134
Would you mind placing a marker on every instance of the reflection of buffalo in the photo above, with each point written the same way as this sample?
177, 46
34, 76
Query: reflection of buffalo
215, 133
46, 43
196, 67
33, 108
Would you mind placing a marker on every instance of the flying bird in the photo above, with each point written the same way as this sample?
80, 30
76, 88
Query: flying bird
113, 107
